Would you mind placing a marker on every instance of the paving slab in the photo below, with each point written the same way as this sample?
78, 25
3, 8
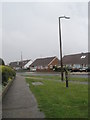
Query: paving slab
19, 102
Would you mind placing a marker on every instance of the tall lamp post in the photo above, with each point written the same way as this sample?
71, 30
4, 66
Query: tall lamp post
61, 45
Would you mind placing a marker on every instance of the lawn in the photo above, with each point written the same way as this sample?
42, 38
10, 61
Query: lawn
57, 101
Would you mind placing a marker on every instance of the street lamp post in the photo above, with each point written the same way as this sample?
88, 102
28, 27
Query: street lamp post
61, 45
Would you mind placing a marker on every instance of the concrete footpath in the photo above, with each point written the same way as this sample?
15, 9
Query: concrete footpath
19, 102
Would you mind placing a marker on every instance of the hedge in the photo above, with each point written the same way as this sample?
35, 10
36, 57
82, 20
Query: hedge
2, 62
7, 73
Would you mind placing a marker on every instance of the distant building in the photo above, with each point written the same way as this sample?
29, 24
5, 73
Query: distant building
20, 64
44, 64
77, 60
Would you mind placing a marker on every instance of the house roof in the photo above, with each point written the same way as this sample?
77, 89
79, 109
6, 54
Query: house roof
19, 63
81, 58
42, 61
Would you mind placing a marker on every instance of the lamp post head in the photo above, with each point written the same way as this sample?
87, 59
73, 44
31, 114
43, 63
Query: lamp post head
64, 17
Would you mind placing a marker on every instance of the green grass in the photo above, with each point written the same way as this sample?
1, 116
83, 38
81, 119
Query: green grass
57, 101
58, 78
79, 79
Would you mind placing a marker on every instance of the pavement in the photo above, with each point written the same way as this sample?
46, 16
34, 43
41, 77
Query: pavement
19, 102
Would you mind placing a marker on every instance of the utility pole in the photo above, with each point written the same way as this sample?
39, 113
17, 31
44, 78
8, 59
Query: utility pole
21, 60
61, 62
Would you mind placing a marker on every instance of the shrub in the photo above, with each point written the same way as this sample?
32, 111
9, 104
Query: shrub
2, 62
59, 69
7, 73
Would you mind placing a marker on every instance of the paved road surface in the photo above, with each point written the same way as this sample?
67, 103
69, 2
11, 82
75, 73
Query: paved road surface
19, 102
77, 75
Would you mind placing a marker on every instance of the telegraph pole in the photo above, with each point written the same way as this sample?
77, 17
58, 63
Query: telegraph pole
21, 60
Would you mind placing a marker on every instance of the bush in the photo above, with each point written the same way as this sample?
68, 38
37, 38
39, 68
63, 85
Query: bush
2, 62
7, 73
59, 69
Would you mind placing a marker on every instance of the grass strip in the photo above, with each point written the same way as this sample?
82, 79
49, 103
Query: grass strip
57, 101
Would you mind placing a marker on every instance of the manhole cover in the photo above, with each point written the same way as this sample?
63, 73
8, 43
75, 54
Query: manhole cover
37, 83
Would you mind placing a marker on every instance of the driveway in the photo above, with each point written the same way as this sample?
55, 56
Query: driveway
19, 102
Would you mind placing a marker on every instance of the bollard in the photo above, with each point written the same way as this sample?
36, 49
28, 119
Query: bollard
66, 75
66, 83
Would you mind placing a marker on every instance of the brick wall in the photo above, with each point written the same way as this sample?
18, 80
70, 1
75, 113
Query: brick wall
53, 63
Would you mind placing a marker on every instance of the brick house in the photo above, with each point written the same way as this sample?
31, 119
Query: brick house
44, 64
77, 60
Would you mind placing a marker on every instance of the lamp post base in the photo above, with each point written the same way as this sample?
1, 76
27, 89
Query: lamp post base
66, 83
62, 76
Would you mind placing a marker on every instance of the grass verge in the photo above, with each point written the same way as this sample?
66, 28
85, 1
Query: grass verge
57, 101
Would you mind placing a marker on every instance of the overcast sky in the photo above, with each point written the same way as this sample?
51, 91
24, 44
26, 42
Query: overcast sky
33, 28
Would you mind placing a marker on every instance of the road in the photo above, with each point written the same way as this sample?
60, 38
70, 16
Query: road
78, 75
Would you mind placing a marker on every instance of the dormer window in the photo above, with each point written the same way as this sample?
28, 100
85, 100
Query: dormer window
83, 56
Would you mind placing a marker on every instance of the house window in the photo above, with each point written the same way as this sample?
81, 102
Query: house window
35, 67
76, 65
51, 66
42, 67
46, 67
38, 67
68, 65
84, 65
88, 65
17, 63
72, 65
83, 56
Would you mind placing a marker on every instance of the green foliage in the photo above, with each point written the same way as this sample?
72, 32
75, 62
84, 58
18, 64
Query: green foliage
59, 69
2, 62
7, 73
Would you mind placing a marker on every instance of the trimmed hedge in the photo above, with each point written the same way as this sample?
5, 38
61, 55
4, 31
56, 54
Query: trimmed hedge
7, 73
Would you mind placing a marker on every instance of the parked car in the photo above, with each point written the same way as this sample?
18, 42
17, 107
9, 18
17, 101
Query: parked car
84, 69
75, 70
88, 69
33, 69
69, 69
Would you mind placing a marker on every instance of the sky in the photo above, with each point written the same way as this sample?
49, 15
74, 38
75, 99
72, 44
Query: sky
33, 29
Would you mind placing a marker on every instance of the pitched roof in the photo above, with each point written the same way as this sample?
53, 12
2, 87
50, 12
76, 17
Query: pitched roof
42, 61
81, 58
19, 63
